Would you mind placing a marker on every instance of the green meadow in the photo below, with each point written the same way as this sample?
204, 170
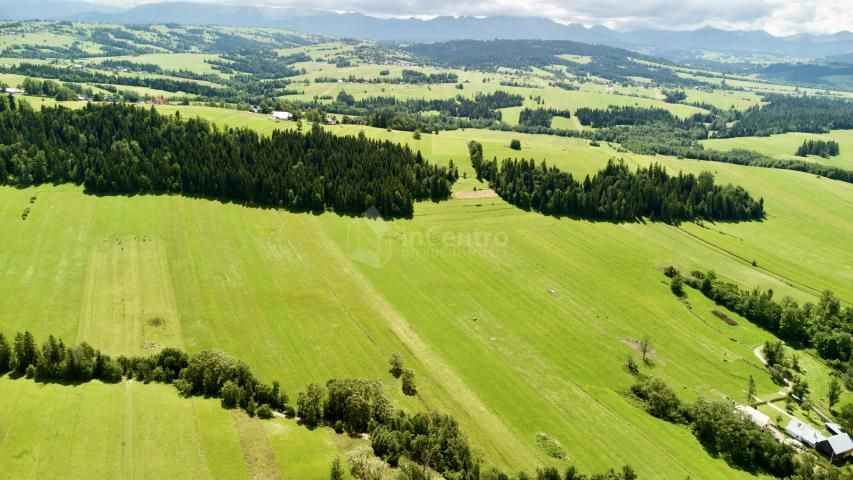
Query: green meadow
785, 146
516, 323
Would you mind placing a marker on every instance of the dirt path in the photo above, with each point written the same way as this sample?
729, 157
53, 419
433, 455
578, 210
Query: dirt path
257, 452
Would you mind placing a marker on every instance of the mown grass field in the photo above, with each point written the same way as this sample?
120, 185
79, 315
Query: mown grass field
514, 322
785, 146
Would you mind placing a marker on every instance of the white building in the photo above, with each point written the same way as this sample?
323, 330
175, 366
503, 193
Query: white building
804, 432
276, 115
754, 415
13, 90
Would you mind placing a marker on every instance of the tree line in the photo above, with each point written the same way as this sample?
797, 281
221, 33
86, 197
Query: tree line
825, 326
432, 440
615, 193
489, 55
682, 140
540, 117
824, 148
722, 430
89, 76
792, 113
115, 148
622, 115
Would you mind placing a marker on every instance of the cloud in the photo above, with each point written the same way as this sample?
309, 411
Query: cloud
779, 17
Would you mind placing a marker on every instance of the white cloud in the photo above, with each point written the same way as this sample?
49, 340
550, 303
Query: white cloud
779, 17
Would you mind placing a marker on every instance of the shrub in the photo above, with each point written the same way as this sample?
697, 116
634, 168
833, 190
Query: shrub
264, 412
515, 144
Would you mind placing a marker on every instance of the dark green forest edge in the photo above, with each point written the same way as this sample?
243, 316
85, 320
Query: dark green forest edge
116, 148
432, 441
120, 149
615, 193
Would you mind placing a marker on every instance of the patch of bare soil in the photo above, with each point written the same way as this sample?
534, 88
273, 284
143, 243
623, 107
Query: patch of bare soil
722, 316
483, 193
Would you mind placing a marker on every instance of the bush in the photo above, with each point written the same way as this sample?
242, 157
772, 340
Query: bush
408, 379
677, 285
515, 144
264, 412
659, 399
396, 365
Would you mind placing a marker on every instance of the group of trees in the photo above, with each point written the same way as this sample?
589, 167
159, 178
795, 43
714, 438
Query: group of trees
792, 113
417, 77
116, 148
615, 193
92, 76
53, 361
406, 375
604, 62
540, 117
261, 64
720, 428
209, 373
481, 111
824, 148
825, 326
48, 88
433, 441
622, 115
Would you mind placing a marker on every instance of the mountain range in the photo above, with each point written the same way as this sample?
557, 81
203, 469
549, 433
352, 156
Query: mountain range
357, 25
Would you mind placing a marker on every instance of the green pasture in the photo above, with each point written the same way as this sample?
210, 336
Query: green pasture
514, 322
785, 146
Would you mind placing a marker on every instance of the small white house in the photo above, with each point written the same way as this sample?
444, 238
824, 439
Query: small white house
13, 90
277, 115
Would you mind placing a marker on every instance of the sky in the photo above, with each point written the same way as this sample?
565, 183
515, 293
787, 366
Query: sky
778, 17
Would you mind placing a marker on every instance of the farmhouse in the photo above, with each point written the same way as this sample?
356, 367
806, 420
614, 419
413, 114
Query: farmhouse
278, 115
331, 120
13, 90
836, 447
804, 432
754, 415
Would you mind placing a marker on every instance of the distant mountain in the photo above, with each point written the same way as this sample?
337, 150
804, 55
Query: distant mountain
356, 25
50, 9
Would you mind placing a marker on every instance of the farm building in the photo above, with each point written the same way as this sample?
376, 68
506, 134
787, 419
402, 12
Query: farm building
13, 90
834, 428
277, 115
754, 415
804, 432
836, 447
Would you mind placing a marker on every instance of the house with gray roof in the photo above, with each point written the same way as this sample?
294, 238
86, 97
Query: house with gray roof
804, 432
836, 447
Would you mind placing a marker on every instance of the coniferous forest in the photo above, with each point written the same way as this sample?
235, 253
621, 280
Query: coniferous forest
615, 193
117, 148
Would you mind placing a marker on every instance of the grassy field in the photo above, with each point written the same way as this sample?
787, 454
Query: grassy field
131, 430
557, 304
784, 146
514, 322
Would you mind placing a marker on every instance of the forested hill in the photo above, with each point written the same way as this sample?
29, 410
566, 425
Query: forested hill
580, 58
117, 148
